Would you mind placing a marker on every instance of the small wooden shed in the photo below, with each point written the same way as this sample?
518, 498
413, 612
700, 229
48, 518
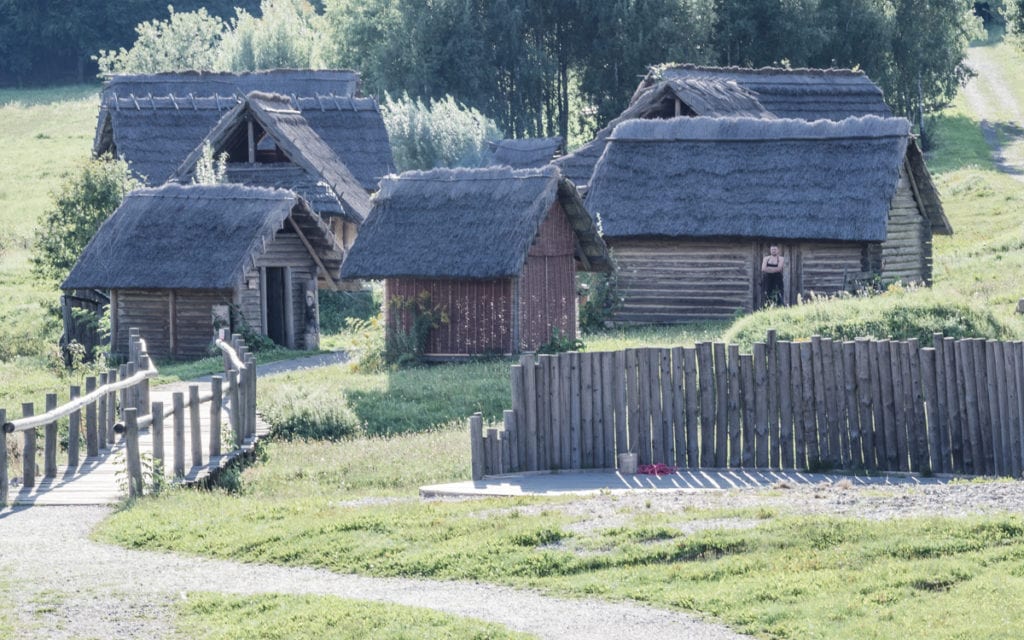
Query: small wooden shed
181, 261
689, 206
495, 249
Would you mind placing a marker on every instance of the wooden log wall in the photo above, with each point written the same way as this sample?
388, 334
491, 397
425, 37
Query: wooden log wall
954, 406
907, 250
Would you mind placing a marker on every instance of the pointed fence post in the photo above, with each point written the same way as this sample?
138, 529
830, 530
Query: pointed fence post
476, 439
217, 392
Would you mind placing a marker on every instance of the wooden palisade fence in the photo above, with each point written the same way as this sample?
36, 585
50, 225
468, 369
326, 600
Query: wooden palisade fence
879, 405
118, 402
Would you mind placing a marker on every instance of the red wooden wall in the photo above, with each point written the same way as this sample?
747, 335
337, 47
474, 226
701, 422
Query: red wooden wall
547, 286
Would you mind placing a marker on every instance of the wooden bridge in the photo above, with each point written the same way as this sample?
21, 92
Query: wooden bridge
135, 439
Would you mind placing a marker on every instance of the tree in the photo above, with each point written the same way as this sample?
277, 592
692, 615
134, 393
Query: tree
84, 200
289, 34
441, 133
188, 40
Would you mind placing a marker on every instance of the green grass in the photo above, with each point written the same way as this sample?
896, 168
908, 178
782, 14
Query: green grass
789, 577
957, 141
339, 400
211, 616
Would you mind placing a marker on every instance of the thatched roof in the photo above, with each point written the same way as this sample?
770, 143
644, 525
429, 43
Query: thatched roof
323, 179
523, 153
466, 223
194, 237
807, 94
925, 190
155, 121
745, 177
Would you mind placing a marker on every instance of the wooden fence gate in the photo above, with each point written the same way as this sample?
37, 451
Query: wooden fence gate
880, 405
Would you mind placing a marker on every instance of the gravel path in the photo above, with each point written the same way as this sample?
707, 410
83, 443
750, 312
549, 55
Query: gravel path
992, 101
70, 587
66, 586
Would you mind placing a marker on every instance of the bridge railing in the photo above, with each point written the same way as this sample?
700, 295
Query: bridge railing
118, 402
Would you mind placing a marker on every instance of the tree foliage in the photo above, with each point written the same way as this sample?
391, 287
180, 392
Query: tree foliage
288, 34
189, 40
439, 133
81, 204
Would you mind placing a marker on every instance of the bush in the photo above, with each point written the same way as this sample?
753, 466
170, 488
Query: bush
82, 203
898, 314
336, 307
442, 133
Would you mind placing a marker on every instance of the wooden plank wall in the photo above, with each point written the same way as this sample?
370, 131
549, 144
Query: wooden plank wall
156, 312
479, 314
828, 267
547, 285
907, 250
956, 406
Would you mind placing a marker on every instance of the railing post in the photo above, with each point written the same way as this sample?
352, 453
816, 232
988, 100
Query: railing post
133, 458
143, 399
111, 411
28, 450
124, 401
74, 428
50, 440
195, 425
216, 388
179, 434
476, 442
158, 439
96, 427
4, 481
236, 404
250, 373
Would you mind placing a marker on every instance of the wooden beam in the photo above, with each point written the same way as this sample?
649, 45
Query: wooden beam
252, 141
312, 252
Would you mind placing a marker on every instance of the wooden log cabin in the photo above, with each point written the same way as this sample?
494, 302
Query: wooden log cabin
673, 90
689, 207
267, 142
493, 251
181, 261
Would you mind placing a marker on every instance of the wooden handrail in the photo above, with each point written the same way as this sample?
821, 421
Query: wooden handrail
32, 422
229, 351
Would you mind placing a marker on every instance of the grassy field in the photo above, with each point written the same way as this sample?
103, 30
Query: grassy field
337, 488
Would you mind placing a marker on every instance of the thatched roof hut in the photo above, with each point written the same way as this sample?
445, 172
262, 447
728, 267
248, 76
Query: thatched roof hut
689, 207
523, 153
745, 177
497, 248
283, 152
154, 121
169, 255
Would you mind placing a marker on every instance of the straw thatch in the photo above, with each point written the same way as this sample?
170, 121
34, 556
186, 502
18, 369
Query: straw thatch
744, 177
322, 179
926, 191
523, 153
155, 121
807, 94
465, 223
698, 96
194, 237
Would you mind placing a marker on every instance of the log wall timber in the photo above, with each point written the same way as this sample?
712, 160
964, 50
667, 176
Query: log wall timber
907, 250
830, 267
665, 281
856, 405
190, 317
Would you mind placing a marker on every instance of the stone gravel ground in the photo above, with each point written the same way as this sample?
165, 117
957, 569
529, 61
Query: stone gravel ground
66, 586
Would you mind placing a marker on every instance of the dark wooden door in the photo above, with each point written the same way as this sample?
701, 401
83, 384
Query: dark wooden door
277, 304
789, 272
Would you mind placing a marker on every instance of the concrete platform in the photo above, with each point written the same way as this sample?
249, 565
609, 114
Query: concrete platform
596, 481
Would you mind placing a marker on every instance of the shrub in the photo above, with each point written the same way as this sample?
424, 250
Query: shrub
898, 314
602, 299
441, 133
337, 307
